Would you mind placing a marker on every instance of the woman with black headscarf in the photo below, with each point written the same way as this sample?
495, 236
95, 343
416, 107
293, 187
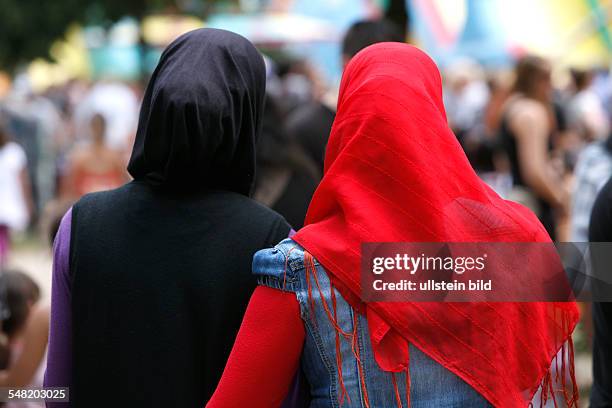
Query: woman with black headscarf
151, 280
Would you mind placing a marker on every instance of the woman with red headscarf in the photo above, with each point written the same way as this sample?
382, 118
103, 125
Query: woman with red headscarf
394, 172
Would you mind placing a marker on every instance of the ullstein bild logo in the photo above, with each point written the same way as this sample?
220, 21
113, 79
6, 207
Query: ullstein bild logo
491, 272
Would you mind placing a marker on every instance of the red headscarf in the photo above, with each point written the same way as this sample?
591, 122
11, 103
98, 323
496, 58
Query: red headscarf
394, 172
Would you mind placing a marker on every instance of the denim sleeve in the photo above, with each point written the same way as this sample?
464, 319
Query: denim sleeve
275, 268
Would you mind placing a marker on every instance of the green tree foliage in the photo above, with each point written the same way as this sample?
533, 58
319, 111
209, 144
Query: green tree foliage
28, 28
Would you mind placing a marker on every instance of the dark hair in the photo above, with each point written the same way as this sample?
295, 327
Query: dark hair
364, 33
581, 78
20, 292
4, 133
54, 227
276, 148
98, 120
529, 70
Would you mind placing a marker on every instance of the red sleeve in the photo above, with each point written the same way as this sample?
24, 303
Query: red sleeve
266, 353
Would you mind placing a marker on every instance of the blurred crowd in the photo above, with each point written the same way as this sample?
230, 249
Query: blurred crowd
535, 133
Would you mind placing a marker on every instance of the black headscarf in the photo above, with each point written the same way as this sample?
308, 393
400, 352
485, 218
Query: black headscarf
201, 115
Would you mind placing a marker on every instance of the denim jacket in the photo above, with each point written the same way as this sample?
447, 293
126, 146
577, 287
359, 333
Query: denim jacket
431, 385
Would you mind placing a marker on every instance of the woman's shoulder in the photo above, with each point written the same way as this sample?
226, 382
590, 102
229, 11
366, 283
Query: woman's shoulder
281, 265
526, 109
283, 256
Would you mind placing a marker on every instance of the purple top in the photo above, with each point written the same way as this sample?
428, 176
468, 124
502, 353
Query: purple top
59, 355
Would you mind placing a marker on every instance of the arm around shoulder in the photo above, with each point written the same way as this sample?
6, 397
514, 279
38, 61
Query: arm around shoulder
266, 353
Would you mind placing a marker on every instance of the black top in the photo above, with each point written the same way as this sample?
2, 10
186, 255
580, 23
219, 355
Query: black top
295, 199
600, 230
508, 144
507, 141
160, 285
310, 125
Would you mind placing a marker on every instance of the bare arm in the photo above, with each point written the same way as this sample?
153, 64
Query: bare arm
531, 127
35, 335
26, 189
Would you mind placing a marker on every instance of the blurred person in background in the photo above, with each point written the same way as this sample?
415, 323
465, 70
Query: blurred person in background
299, 82
24, 128
311, 123
602, 86
118, 104
94, 165
467, 99
151, 280
49, 125
500, 88
465, 96
585, 109
600, 230
15, 193
593, 169
527, 127
362, 34
26, 327
286, 177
